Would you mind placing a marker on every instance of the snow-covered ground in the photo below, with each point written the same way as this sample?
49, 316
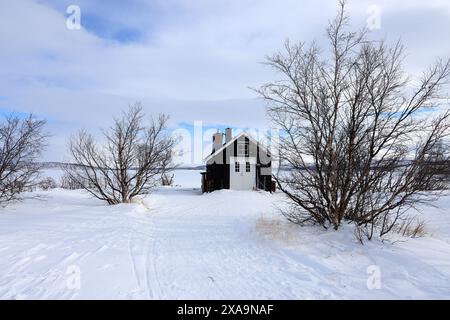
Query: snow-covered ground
180, 244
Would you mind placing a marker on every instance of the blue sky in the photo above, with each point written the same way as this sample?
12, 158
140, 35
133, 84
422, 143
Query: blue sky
116, 20
192, 59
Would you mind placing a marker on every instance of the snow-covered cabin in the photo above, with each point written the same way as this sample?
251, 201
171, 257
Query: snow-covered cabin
239, 163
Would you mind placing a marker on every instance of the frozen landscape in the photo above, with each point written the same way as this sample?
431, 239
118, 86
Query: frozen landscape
179, 244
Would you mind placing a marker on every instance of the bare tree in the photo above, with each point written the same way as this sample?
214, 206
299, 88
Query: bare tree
353, 130
47, 184
167, 179
131, 161
67, 182
22, 141
438, 161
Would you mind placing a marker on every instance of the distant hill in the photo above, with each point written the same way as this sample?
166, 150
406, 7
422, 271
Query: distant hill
60, 165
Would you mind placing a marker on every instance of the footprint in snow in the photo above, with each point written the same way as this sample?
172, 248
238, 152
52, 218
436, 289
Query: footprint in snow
42, 257
71, 257
107, 266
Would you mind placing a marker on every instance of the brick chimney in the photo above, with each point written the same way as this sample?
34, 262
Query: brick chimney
228, 135
217, 141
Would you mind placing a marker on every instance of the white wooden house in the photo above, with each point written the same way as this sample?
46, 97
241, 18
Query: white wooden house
239, 163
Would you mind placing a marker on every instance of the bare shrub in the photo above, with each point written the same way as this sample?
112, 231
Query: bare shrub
70, 184
412, 227
359, 146
438, 163
167, 179
22, 141
129, 164
408, 226
47, 184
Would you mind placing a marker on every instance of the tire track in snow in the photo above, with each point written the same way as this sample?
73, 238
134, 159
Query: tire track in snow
133, 263
182, 227
139, 257
151, 270
143, 256
208, 275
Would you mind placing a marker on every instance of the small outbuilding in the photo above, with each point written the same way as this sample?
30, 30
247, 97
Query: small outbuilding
239, 163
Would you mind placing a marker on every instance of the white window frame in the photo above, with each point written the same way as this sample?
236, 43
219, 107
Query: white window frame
242, 149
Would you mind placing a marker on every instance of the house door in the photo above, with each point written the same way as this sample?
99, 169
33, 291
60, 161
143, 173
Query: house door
242, 173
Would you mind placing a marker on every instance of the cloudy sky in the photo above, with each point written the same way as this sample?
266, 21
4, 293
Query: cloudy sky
192, 59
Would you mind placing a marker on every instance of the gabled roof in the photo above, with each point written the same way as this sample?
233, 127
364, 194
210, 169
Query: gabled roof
231, 141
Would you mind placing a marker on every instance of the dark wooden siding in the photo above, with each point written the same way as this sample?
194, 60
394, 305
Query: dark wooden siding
218, 168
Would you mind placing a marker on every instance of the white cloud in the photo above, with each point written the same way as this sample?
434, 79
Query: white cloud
195, 59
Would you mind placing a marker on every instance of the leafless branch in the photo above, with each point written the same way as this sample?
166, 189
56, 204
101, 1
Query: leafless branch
129, 164
356, 138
